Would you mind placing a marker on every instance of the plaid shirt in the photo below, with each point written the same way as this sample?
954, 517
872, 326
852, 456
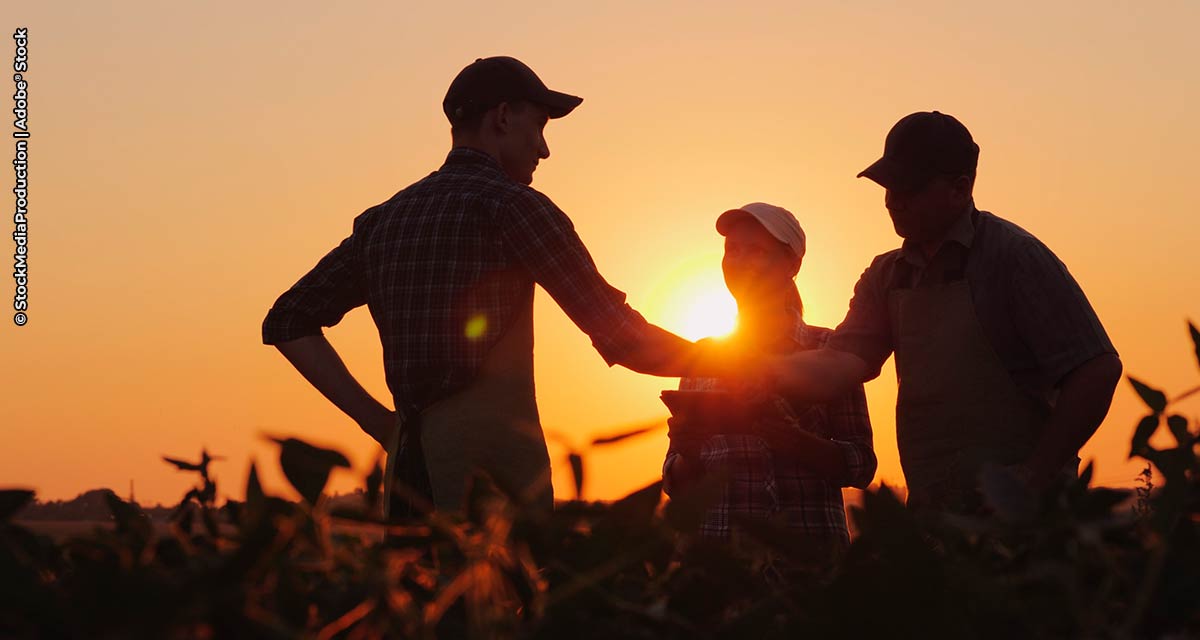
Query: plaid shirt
444, 266
768, 484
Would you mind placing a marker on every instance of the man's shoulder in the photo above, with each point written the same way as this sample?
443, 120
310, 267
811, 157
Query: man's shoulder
484, 183
501, 190
1007, 240
477, 186
882, 267
886, 258
526, 197
1005, 231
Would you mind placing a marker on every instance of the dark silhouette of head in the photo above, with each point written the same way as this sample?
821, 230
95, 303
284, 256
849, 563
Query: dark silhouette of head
499, 105
928, 171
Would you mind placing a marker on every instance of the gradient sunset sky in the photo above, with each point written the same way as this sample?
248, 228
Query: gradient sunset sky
189, 161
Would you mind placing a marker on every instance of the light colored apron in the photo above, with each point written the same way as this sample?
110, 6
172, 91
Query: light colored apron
958, 407
491, 425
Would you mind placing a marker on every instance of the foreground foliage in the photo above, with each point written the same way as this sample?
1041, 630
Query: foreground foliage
1074, 562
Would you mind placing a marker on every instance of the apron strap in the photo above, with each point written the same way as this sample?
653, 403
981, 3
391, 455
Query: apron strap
409, 471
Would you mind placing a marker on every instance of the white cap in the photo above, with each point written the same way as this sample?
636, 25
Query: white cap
779, 222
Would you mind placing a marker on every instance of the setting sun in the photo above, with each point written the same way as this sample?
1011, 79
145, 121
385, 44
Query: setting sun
710, 313
692, 300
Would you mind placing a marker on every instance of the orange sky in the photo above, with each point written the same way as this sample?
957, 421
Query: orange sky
188, 162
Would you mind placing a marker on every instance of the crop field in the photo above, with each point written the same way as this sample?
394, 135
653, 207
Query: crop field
1073, 561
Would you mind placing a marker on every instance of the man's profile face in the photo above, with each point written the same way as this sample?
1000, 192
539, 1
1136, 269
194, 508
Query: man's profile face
925, 214
523, 142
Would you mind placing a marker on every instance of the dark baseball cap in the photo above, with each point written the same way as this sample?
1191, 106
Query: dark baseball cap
487, 82
922, 146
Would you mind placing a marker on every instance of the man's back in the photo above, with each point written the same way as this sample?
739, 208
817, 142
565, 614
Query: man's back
439, 281
444, 265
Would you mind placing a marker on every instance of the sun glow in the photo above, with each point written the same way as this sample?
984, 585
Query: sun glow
693, 302
711, 313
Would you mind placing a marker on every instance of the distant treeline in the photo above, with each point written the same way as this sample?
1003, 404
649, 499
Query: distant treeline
92, 506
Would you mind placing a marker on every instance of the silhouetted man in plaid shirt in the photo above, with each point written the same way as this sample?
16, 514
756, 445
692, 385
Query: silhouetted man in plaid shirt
447, 267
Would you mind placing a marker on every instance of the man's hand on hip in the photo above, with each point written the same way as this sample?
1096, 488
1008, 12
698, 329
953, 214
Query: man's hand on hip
321, 365
382, 426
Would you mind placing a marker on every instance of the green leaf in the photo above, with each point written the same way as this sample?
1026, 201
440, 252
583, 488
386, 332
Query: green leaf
182, 465
576, 462
307, 467
186, 517
210, 522
627, 434
1155, 399
12, 501
1077, 487
1141, 435
1172, 466
889, 527
257, 508
254, 491
483, 498
1195, 339
233, 510
208, 495
1179, 428
1085, 476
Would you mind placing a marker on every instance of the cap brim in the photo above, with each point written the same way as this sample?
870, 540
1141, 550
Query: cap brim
891, 174
727, 219
560, 104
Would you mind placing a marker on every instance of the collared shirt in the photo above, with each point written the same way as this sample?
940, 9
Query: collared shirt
1032, 311
765, 482
444, 266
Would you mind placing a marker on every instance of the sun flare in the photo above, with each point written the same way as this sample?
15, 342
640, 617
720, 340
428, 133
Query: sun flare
693, 302
710, 313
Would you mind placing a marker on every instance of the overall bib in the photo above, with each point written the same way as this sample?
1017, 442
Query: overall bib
958, 407
491, 425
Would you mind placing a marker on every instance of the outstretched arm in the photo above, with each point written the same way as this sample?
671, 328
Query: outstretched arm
659, 352
321, 365
540, 237
816, 376
853, 354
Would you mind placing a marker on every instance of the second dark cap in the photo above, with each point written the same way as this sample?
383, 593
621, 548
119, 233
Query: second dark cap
487, 82
922, 146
